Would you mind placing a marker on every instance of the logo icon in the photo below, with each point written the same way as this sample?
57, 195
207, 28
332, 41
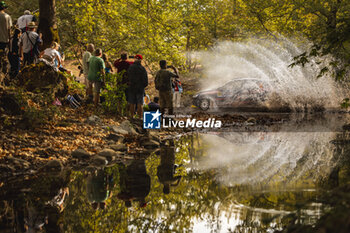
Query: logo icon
151, 120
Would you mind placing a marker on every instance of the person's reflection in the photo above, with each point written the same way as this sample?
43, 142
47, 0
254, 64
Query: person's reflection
39, 208
135, 183
167, 167
99, 188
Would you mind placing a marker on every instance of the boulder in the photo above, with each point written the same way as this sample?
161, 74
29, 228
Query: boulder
128, 127
81, 154
52, 166
119, 147
99, 161
118, 130
19, 163
109, 154
115, 137
150, 144
92, 120
41, 78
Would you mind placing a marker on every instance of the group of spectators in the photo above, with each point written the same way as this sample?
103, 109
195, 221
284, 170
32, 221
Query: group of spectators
134, 76
21, 45
21, 42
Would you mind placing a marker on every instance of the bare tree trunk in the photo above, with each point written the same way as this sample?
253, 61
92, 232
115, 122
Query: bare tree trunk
47, 22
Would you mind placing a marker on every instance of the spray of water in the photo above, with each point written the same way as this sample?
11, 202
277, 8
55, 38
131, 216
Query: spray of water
297, 87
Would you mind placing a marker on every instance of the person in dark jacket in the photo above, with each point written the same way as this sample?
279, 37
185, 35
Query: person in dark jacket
138, 80
14, 56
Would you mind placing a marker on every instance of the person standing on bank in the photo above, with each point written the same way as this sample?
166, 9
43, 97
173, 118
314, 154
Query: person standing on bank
163, 83
5, 27
138, 80
86, 56
14, 55
24, 20
96, 75
29, 44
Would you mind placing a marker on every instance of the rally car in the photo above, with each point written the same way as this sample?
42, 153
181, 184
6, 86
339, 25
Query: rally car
238, 93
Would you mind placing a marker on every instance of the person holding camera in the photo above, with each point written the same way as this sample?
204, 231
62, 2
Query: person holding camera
163, 82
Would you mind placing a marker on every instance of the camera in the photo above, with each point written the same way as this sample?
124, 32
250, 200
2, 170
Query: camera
169, 67
131, 56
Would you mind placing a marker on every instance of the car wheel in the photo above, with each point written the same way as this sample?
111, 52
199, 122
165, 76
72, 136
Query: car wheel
204, 104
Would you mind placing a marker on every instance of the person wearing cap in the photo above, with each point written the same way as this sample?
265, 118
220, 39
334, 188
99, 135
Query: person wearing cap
5, 26
30, 41
96, 75
138, 80
24, 20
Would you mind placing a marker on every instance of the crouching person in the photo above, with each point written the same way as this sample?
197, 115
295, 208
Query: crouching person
96, 75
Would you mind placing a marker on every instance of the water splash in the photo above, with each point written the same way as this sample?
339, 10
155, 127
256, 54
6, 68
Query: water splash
297, 87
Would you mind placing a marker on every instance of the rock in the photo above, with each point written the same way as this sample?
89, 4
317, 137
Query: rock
251, 120
127, 126
109, 154
150, 144
43, 78
6, 168
115, 137
53, 165
119, 147
92, 120
19, 163
80, 154
99, 161
118, 130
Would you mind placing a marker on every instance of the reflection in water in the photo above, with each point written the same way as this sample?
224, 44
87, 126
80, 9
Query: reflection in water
263, 159
167, 168
135, 183
230, 182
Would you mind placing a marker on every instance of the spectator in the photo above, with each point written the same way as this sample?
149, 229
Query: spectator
122, 65
14, 57
163, 83
52, 55
5, 27
108, 64
96, 75
86, 56
154, 106
138, 80
30, 41
24, 20
177, 89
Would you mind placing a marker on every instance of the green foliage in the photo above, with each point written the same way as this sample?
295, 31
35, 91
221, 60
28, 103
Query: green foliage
74, 87
346, 103
37, 108
114, 94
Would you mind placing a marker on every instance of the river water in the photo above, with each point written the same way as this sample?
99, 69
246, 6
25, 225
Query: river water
224, 181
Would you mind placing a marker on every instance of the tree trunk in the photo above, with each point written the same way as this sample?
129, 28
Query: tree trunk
47, 22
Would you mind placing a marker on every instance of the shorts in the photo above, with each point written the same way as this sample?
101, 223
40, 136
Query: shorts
165, 99
96, 84
134, 96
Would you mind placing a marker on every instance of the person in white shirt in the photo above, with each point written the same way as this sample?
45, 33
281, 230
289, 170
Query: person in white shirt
24, 20
52, 55
30, 41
